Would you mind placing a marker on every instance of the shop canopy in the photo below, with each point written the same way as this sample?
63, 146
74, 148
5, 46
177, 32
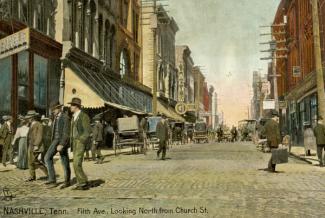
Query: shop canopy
168, 111
97, 91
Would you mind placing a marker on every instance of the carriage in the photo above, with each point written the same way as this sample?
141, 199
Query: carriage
177, 132
129, 135
200, 132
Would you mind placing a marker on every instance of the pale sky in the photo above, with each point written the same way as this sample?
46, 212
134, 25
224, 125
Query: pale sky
224, 38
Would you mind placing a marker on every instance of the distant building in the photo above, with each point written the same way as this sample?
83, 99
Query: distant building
185, 64
160, 58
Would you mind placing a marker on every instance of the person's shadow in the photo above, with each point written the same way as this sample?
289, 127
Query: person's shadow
92, 183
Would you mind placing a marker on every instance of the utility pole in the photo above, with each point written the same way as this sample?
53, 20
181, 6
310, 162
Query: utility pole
318, 59
155, 77
273, 50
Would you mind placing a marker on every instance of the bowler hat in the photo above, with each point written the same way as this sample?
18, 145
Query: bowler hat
31, 114
55, 106
7, 117
75, 101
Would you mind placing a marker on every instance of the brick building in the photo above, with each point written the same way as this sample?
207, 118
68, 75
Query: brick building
297, 84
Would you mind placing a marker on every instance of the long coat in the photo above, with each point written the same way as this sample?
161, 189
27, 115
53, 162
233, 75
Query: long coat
319, 132
64, 129
35, 135
6, 135
309, 139
98, 132
271, 131
83, 128
162, 130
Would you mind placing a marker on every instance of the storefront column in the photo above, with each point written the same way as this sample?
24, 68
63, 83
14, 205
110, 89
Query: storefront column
14, 85
62, 83
31, 81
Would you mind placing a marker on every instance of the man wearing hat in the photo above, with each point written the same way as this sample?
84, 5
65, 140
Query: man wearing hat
319, 132
79, 135
271, 131
46, 122
34, 140
162, 135
97, 140
59, 143
6, 136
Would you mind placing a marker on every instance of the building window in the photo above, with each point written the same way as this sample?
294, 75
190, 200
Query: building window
136, 66
135, 26
106, 42
23, 82
91, 27
112, 46
5, 84
22, 10
314, 110
124, 11
40, 82
100, 36
124, 63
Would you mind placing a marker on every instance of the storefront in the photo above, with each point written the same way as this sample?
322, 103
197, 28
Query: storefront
30, 70
302, 102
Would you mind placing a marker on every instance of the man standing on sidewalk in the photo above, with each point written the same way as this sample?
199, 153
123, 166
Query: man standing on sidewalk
271, 131
97, 140
34, 139
79, 136
162, 135
319, 132
6, 136
59, 143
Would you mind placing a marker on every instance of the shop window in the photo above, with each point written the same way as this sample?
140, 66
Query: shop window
5, 84
23, 82
314, 110
40, 82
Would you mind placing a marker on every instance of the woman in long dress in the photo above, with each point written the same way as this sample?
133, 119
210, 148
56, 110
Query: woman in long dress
21, 134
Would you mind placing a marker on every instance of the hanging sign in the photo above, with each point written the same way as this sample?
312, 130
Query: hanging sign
14, 43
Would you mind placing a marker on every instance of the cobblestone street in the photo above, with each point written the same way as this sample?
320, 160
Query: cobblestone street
218, 180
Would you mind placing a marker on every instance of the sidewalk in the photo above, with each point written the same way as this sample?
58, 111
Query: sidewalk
299, 152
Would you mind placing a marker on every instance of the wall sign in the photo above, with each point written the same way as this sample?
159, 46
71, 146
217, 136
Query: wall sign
14, 43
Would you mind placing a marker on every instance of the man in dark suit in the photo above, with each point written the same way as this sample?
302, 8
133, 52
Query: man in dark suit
6, 136
97, 140
34, 140
79, 136
162, 135
271, 131
319, 132
59, 143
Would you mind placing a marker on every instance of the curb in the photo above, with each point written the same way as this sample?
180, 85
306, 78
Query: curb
300, 158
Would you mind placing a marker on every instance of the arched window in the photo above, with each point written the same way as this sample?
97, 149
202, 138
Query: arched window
100, 37
124, 63
106, 42
112, 46
91, 25
22, 10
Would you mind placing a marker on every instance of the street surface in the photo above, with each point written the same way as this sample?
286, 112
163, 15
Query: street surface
200, 180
